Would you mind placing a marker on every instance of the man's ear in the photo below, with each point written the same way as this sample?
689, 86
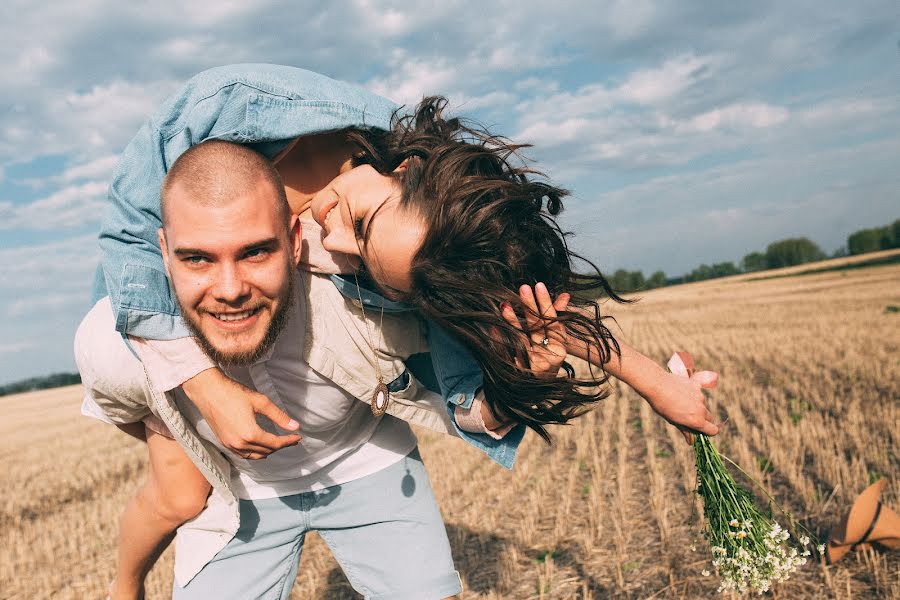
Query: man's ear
165, 250
295, 234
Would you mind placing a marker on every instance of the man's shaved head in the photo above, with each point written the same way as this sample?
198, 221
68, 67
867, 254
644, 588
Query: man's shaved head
216, 172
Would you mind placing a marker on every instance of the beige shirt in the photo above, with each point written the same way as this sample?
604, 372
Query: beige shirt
335, 345
342, 439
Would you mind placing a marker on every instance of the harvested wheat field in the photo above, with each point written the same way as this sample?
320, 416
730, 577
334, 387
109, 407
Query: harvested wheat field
810, 385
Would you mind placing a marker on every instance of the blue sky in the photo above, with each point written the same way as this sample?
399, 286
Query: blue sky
689, 132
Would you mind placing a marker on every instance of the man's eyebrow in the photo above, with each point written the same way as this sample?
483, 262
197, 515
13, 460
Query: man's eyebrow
271, 242
189, 252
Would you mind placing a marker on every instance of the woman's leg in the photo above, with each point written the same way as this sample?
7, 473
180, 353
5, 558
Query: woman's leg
175, 492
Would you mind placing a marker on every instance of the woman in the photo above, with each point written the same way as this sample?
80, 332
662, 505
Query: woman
436, 215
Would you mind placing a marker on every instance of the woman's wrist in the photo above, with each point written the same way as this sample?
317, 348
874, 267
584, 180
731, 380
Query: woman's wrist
194, 387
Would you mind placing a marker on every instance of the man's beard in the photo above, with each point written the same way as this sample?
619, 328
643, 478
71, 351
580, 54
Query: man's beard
279, 320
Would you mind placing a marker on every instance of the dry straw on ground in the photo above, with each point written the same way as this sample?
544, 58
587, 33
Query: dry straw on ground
810, 384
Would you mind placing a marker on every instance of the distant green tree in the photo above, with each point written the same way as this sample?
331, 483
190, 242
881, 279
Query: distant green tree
840, 252
867, 240
40, 383
792, 251
636, 281
657, 280
702, 272
724, 269
619, 280
895, 234
755, 261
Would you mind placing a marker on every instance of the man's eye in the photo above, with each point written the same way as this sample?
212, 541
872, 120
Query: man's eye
256, 253
195, 260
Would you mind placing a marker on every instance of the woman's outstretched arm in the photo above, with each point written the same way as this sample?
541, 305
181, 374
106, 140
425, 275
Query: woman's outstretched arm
677, 399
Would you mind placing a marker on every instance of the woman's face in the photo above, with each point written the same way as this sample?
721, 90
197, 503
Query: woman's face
361, 215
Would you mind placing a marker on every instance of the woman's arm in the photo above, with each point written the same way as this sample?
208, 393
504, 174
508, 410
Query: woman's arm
679, 400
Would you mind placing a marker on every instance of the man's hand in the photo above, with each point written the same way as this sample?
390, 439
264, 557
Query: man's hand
231, 408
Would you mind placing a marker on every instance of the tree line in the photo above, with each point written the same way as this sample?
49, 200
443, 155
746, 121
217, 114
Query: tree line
40, 383
783, 253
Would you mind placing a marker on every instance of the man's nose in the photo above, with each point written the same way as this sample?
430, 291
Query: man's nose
231, 287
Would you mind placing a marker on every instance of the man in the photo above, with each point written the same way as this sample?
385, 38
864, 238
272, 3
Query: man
230, 248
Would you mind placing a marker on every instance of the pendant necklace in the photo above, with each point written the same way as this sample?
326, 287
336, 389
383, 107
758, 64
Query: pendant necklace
382, 396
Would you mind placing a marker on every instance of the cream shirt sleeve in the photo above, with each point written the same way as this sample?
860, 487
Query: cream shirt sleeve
169, 363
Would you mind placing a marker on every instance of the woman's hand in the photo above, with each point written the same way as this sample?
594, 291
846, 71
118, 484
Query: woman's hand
547, 338
231, 408
677, 397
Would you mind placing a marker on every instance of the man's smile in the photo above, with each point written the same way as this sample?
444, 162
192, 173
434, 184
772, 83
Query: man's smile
235, 320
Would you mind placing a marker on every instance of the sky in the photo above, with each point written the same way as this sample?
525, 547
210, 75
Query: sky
688, 132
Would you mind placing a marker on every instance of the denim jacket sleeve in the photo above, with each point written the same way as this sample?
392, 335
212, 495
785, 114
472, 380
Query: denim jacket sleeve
264, 106
459, 378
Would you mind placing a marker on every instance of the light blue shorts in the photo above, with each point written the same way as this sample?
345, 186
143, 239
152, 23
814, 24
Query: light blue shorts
385, 531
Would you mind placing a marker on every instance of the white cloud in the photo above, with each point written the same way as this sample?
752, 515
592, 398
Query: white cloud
410, 79
743, 115
71, 207
89, 124
42, 304
673, 77
16, 347
64, 265
99, 168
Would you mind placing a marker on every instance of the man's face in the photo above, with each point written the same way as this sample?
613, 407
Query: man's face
232, 270
361, 215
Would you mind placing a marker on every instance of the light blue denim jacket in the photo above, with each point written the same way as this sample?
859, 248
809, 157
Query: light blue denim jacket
265, 107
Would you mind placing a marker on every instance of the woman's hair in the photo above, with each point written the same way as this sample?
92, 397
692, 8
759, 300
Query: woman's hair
490, 228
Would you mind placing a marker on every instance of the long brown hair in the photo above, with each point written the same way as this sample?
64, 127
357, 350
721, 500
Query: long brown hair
491, 228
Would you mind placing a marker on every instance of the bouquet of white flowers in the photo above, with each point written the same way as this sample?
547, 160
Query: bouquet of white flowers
750, 550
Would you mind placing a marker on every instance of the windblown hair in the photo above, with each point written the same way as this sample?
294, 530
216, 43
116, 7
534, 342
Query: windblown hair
490, 228
215, 172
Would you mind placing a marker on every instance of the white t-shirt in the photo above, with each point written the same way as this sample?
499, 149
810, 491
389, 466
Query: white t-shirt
342, 439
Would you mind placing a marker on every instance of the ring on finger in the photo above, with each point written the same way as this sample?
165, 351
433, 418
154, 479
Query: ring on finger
545, 341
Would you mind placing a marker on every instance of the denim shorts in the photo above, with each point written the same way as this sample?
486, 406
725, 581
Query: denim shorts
385, 530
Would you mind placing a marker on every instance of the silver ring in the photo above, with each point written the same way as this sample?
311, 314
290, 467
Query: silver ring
545, 341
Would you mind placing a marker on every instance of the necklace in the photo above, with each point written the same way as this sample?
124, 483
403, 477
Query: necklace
382, 396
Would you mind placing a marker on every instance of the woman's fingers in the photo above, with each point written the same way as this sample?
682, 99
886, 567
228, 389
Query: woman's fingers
707, 379
532, 314
509, 315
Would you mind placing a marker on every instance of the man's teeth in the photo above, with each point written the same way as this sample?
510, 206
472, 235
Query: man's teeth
328, 214
233, 316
